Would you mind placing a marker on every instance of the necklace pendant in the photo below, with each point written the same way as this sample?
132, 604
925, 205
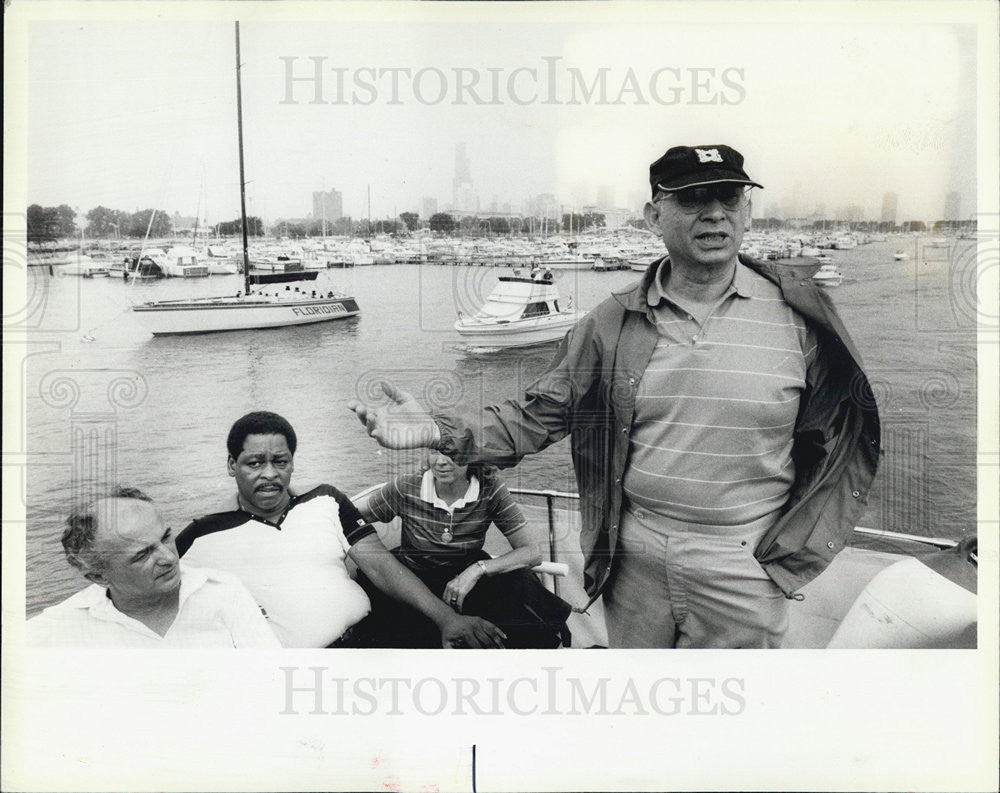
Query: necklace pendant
446, 535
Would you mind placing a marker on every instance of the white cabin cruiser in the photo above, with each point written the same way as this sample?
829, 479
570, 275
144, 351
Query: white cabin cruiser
182, 262
828, 275
521, 311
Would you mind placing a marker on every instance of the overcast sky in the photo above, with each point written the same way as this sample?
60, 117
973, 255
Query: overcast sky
829, 109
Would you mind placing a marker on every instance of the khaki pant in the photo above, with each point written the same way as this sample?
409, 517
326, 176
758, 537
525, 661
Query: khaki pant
691, 585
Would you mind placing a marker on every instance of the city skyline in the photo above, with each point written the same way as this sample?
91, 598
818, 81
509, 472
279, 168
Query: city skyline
153, 130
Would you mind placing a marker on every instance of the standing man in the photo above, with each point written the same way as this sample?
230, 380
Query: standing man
724, 436
140, 595
291, 550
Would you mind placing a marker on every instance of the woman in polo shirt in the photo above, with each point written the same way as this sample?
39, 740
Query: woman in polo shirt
445, 513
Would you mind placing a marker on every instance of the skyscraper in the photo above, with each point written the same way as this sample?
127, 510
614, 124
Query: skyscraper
889, 201
606, 196
953, 206
428, 207
328, 206
463, 197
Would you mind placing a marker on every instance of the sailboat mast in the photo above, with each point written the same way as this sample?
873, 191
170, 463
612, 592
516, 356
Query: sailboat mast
243, 188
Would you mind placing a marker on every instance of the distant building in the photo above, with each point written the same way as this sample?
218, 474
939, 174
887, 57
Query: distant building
614, 217
953, 206
328, 206
637, 199
428, 207
889, 202
463, 196
605, 196
180, 223
852, 213
543, 205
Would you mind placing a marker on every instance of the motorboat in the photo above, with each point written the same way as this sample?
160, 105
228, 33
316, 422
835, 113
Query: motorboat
182, 262
900, 256
144, 266
521, 311
272, 306
220, 261
828, 275
84, 267
279, 263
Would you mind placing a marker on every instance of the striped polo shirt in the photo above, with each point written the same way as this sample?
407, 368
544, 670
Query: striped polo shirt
715, 411
435, 534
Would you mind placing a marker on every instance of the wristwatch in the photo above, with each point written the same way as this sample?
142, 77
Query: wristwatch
482, 566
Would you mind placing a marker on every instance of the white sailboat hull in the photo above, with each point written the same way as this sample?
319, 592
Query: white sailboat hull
214, 315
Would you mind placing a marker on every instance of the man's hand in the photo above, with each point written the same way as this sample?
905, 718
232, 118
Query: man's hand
461, 585
474, 632
402, 424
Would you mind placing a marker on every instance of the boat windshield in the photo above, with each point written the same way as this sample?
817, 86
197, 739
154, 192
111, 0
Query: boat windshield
535, 310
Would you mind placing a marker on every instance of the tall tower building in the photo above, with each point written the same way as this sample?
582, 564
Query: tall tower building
953, 206
463, 197
889, 201
328, 206
606, 196
428, 207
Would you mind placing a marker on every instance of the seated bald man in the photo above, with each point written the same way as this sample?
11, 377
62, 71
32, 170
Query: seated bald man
140, 595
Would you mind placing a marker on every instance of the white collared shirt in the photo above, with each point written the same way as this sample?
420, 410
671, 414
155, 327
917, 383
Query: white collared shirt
429, 494
214, 610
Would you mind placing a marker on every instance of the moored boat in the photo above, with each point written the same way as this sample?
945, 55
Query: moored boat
182, 262
521, 311
828, 275
144, 266
256, 310
247, 310
85, 267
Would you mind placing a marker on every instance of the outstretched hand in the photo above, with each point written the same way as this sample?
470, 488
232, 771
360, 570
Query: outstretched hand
401, 424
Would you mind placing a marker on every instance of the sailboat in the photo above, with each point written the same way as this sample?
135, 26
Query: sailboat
276, 308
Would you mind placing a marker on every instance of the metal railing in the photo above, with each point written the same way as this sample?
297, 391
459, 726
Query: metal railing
551, 495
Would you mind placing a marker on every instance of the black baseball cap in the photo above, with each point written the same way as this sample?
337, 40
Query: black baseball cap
692, 166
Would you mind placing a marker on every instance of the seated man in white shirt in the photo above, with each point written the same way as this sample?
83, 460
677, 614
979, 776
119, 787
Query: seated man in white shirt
140, 594
290, 549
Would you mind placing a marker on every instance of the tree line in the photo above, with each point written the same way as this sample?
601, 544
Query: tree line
47, 224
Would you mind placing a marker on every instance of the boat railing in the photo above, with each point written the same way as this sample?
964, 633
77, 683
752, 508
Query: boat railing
558, 568
551, 496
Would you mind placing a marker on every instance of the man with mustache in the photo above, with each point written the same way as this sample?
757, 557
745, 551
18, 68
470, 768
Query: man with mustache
140, 594
290, 550
724, 436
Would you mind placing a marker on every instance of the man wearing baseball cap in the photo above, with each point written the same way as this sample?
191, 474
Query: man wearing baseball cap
724, 435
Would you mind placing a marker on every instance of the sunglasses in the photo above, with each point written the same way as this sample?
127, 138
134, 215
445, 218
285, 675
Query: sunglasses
692, 199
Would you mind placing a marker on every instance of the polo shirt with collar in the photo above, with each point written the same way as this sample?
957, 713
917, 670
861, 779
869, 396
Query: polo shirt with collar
715, 410
213, 610
436, 535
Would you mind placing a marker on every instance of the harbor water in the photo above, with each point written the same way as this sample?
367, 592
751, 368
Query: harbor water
106, 401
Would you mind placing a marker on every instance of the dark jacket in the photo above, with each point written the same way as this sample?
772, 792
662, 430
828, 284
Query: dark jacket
589, 393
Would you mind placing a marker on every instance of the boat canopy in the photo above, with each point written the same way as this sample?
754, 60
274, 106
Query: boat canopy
514, 298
